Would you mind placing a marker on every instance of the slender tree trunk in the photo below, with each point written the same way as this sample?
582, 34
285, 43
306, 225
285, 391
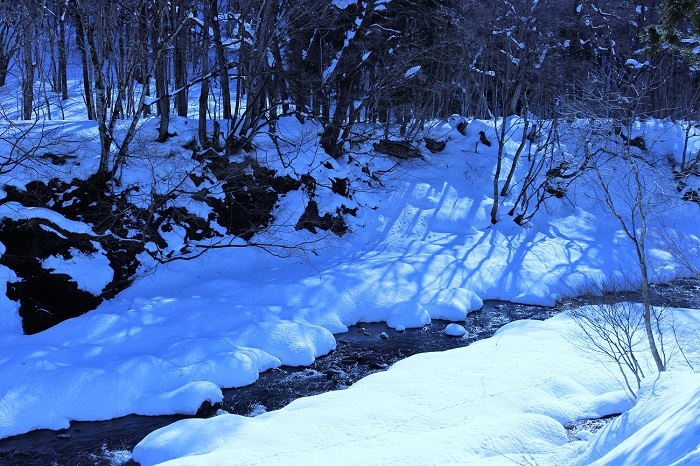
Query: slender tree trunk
499, 164
640, 245
204, 140
4, 62
101, 104
222, 63
62, 59
28, 84
28, 65
144, 73
516, 158
82, 49
161, 72
179, 61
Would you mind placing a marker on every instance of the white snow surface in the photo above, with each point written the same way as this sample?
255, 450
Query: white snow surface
93, 270
421, 247
500, 401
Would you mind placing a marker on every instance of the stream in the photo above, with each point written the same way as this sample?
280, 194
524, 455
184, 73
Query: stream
366, 348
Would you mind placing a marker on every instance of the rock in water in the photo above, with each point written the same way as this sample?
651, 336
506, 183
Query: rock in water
455, 330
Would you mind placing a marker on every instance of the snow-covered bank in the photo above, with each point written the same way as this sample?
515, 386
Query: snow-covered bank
503, 400
662, 428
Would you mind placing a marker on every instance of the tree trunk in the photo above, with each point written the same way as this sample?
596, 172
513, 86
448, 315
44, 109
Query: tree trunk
4, 64
103, 172
640, 245
28, 71
204, 90
144, 75
179, 61
82, 49
331, 133
62, 59
516, 158
499, 163
161, 73
258, 72
222, 65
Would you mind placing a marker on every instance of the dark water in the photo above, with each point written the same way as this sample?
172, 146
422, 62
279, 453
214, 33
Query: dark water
361, 351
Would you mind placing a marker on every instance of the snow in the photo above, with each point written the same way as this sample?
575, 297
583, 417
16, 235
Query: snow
632, 63
411, 71
343, 4
503, 400
91, 272
16, 211
421, 247
455, 330
661, 429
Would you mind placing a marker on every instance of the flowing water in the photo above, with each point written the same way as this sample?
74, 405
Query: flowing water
364, 349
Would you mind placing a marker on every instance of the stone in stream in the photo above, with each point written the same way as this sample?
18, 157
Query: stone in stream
455, 330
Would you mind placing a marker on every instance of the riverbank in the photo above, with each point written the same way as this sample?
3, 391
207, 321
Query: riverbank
359, 352
504, 399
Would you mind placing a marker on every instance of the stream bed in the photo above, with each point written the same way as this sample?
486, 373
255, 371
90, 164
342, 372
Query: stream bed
364, 349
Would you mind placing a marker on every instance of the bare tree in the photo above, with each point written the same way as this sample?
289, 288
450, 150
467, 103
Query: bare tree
632, 197
616, 331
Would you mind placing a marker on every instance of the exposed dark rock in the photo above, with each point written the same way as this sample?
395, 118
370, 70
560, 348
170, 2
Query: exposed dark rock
637, 141
462, 127
192, 145
285, 184
483, 139
207, 409
235, 144
435, 146
348, 211
309, 183
692, 195
57, 159
248, 203
311, 220
399, 149
122, 255
197, 179
45, 298
341, 186
555, 190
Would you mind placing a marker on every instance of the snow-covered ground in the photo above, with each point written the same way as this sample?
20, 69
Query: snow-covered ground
422, 246
502, 401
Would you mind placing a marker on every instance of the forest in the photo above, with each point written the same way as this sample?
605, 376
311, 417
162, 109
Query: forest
341, 62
